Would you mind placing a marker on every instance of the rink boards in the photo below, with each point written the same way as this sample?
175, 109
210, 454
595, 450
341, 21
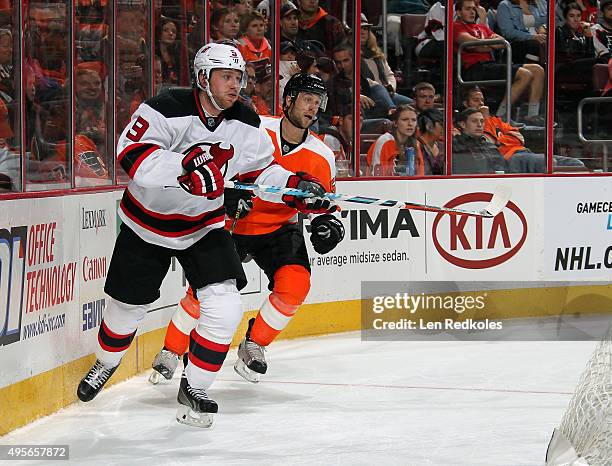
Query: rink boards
55, 252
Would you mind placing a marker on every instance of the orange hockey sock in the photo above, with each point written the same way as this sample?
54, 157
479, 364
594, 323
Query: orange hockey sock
291, 286
183, 322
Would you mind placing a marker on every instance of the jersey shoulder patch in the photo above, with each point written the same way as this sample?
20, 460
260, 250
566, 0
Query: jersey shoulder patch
243, 113
175, 102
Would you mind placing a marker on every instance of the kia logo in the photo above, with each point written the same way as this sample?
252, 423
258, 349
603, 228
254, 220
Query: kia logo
479, 234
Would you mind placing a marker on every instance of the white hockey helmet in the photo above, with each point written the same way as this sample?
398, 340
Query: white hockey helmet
218, 56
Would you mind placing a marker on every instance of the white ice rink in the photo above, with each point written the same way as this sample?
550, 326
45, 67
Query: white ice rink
337, 400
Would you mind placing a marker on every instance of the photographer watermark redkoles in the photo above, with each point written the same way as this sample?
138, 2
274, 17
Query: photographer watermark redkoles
440, 311
470, 310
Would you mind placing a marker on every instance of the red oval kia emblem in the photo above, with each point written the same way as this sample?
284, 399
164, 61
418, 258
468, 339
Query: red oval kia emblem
498, 229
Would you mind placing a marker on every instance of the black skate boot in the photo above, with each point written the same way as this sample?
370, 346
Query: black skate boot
95, 379
195, 408
251, 359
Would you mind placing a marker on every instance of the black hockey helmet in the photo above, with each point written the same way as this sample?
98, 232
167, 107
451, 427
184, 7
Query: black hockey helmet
304, 82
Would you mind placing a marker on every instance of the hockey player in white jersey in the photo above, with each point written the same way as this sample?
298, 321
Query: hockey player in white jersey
271, 235
177, 149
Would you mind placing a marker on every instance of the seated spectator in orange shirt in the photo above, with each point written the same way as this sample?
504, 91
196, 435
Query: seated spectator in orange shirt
510, 141
253, 44
388, 156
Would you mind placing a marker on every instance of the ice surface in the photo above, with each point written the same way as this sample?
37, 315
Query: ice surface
338, 400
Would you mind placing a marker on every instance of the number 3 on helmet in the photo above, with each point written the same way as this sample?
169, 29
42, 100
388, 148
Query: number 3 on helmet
218, 56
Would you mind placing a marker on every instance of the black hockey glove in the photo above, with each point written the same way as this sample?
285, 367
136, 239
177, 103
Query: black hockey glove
308, 205
238, 199
326, 231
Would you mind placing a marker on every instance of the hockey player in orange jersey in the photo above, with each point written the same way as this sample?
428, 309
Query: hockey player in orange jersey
270, 235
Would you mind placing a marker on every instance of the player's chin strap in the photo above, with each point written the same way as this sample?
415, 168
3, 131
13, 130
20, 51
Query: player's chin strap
212, 99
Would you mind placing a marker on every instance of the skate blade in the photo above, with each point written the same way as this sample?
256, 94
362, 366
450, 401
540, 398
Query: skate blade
243, 371
155, 377
185, 415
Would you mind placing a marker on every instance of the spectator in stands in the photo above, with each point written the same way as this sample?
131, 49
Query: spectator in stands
575, 53
472, 152
431, 39
241, 7
376, 67
602, 32
10, 161
168, 50
339, 136
90, 117
424, 96
225, 24
287, 66
588, 10
158, 79
509, 140
49, 51
7, 77
289, 22
430, 124
479, 64
248, 92
395, 10
49, 144
388, 156
262, 99
522, 23
374, 98
252, 44
317, 24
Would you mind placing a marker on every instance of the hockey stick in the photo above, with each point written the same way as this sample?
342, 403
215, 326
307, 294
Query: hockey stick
500, 198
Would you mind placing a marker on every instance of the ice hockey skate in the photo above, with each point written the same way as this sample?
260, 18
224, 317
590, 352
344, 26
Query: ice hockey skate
195, 408
251, 359
164, 364
95, 379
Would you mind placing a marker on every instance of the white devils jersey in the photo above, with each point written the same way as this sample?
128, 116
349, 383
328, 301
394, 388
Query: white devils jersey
150, 150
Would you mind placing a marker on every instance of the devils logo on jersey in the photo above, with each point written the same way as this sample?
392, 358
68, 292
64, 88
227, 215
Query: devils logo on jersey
218, 154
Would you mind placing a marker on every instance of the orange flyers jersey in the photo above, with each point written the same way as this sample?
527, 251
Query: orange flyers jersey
312, 157
382, 157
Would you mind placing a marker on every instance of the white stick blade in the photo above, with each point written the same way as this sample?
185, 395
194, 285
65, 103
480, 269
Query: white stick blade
500, 198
